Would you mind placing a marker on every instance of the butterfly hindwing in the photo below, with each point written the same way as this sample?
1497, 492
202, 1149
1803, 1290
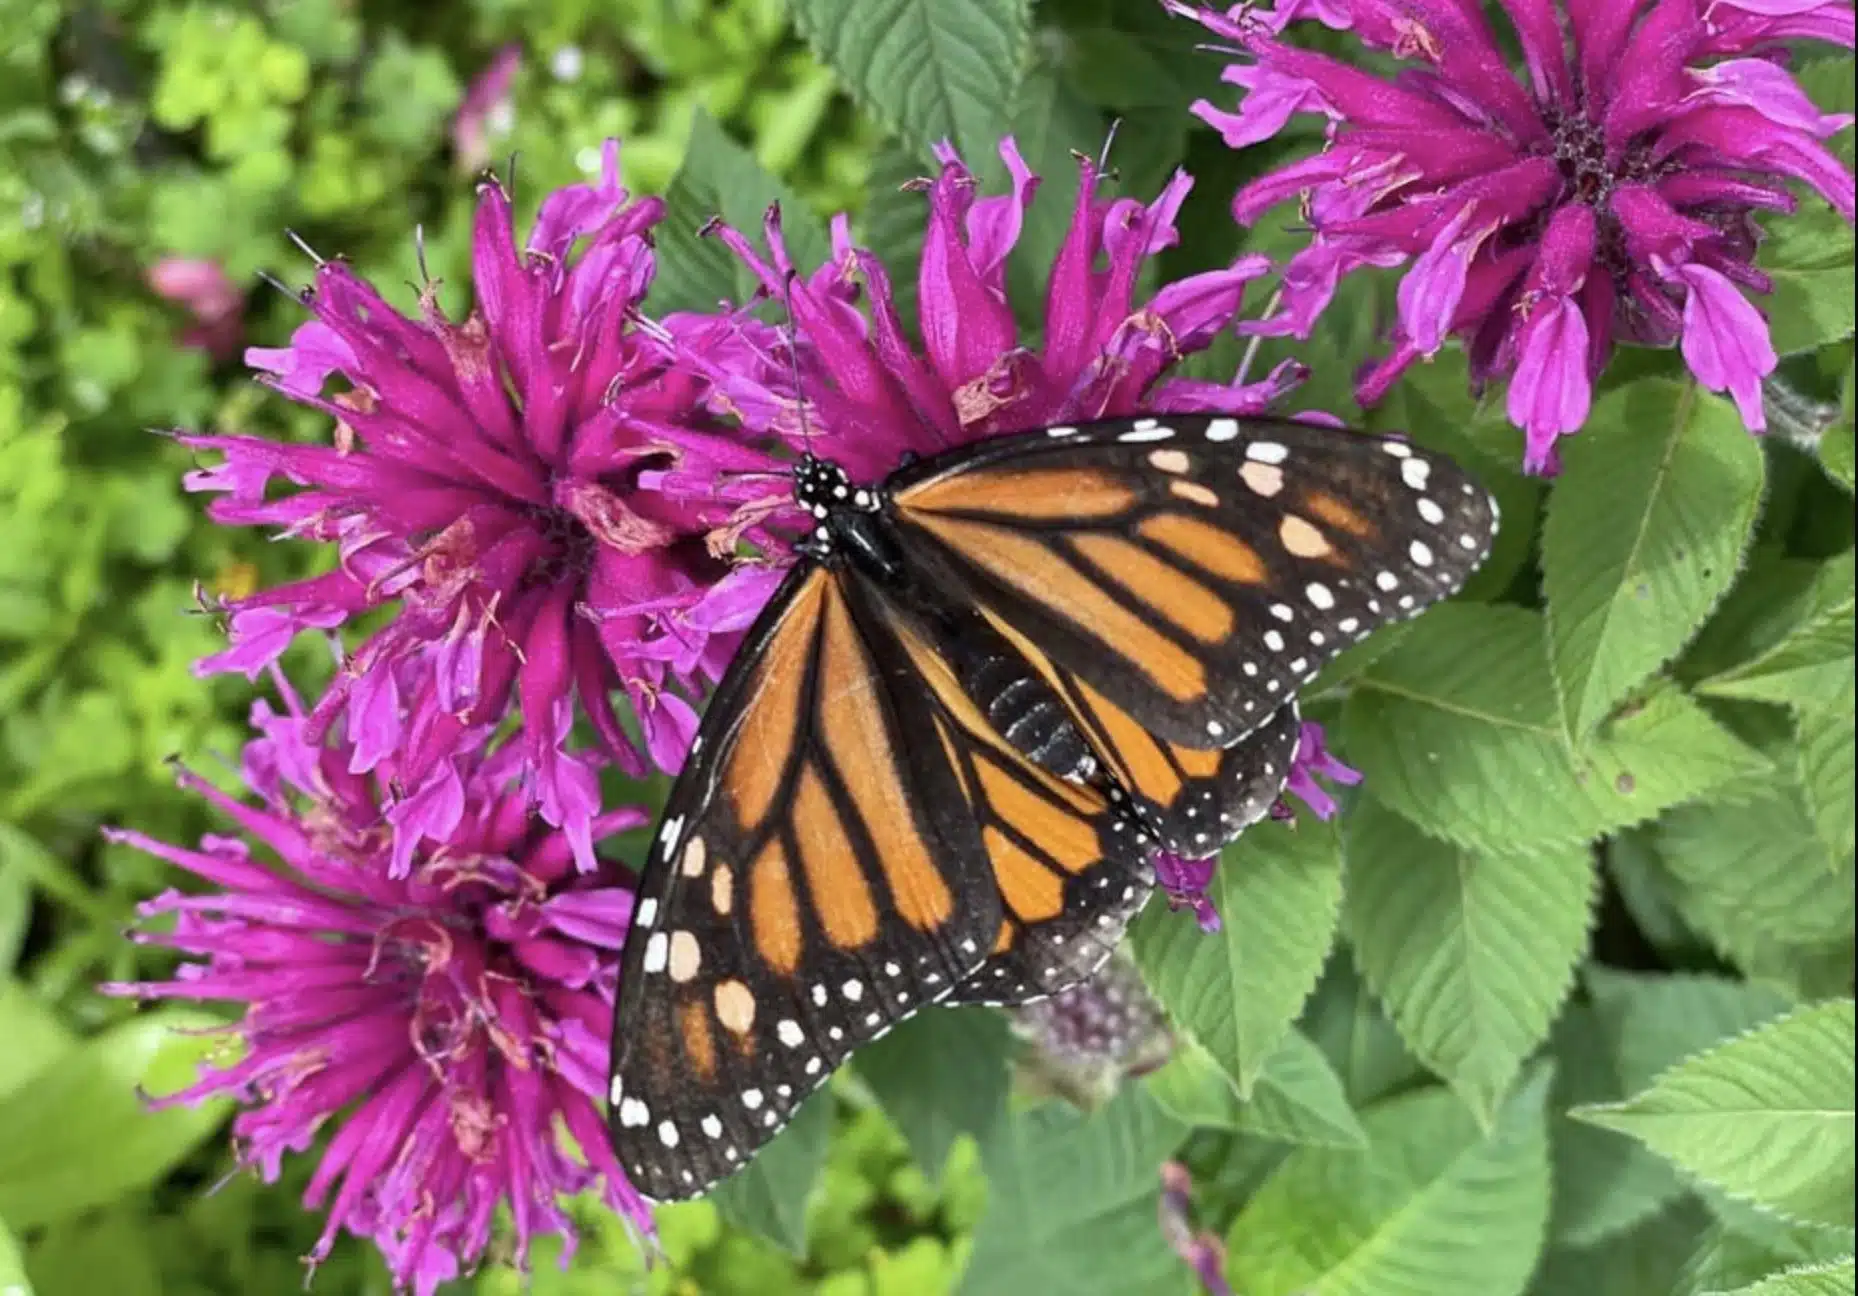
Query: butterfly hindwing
1195, 570
1069, 858
815, 880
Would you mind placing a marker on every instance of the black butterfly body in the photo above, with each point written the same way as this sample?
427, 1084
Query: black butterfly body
989, 690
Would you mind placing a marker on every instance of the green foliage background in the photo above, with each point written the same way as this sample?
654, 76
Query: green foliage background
1562, 1004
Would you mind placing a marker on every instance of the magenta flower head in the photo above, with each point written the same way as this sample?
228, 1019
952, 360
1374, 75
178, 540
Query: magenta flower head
485, 109
872, 396
1184, 881
1607, 194
451, 1024
209, 295
482, 483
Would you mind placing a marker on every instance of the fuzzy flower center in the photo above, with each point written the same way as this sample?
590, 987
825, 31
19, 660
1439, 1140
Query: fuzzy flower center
1580, 152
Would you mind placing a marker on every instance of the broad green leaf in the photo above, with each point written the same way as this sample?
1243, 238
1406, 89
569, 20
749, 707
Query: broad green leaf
1648, 893
1128, 57
1633, 1028
35, 1037
1472, 952
1347, 1022
1458, 729
1811, 667
1767, 1116
1834, 1279
112, 1252
721, 178
1827, 779
938, 1076
1194, 1089
1298, 1098
1753, 1246
1757, 880
1278, 890
13, 1280
1435, 1207
1645, 531
22, 855
771, 1194
1072, 1201
929, 70
1648, 1259
79, 1135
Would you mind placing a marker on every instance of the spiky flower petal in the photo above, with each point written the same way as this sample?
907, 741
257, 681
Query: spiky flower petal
446, 1021
1606, 194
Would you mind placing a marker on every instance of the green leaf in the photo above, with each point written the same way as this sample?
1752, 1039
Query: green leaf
1633, 1028
1767, 1116
1645, 532
721, 178
1435, 1207
929, 70
940, 1075
1757, 880
1827, 779
1347, 1022
1472, 952
1811, 666
1458, 729
1278, 890
1746, 1245
79, 1135
1072, 1202
35, 1037
111, 1253
1834, 1279
770, 1195
1648, 1259
1298, 1098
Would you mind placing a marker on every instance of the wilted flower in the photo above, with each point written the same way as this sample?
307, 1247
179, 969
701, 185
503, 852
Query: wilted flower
1185, 880
1085, 1040
483, 482
485, 109
210, 296
451, 1018
1607, 194
1202, 1251
872, 397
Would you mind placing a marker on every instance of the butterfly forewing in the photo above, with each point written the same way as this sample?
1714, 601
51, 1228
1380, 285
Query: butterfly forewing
816, 879
1195, 570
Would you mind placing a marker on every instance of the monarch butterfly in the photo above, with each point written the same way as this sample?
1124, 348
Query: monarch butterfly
988, 690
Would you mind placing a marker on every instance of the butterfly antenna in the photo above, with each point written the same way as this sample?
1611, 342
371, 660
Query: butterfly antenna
793, 363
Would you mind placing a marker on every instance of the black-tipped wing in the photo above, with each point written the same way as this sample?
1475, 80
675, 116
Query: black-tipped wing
1195, 570
816, 879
